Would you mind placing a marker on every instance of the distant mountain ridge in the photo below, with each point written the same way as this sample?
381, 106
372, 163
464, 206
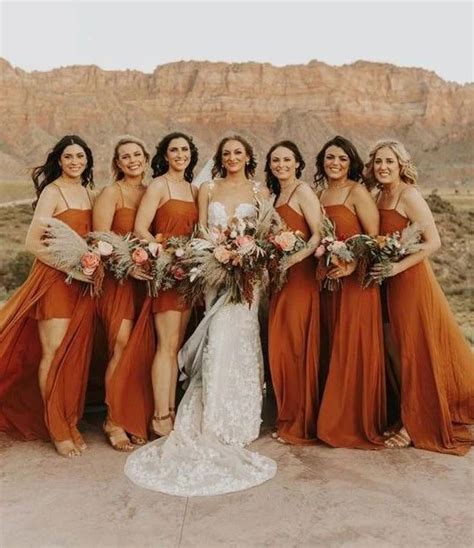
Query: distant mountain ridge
307, 103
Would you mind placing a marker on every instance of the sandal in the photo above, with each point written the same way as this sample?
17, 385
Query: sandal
158, 418
136, 440
398, 440
117, 438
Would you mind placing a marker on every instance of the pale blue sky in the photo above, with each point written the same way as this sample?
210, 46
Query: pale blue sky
140, 35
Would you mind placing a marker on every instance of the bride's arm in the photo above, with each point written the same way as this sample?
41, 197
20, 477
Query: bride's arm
203, 203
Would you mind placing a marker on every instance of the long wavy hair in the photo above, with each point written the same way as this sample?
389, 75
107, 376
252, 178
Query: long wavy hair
408, 171
356, 165
117, 173
218, 169
51, 170
272, 182
159, 163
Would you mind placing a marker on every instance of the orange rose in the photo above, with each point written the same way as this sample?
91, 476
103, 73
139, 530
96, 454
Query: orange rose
222, 254
139, 256
89, 263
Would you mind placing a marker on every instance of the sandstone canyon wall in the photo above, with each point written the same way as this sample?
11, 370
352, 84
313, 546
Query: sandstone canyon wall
307, 103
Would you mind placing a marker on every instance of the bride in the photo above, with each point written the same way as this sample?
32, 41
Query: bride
220, 412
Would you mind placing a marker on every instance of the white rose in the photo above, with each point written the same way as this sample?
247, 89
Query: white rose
104, 248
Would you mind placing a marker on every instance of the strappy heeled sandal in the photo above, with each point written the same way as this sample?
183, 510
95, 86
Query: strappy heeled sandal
398, 440
159, 418
117, 438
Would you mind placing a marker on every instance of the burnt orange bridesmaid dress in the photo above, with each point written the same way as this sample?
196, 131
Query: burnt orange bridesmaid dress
129, 397
437, 369
353, 405
173, 218
45, 295
294, 344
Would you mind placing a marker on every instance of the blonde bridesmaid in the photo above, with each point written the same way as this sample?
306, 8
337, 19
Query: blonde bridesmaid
435, 366
294, 311
115, 210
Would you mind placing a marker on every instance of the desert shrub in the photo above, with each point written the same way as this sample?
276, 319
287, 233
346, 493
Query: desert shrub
438, 205
15, 271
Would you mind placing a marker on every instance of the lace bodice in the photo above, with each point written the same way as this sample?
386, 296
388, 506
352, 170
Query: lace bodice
217, 214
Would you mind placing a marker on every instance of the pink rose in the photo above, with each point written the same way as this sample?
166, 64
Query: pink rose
178, 273
139, 256
222, 254
320, 250
89, 262
285, 241
104, 248
179, 252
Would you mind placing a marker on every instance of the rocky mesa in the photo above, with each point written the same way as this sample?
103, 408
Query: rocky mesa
307, 103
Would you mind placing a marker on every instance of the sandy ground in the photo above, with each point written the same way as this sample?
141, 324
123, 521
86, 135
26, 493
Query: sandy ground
319, 497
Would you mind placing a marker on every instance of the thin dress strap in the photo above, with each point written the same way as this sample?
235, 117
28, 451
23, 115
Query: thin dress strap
399, 197
90, 199
62, 195
121, 195
168, 185
347, 195
292, 192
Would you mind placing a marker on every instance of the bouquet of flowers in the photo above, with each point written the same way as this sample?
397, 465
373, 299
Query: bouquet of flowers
232, 258
78, 256
388, 249
284, 243
332, 251
158, 258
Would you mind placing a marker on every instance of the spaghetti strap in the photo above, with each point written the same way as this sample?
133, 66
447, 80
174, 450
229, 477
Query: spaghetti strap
377, 198
121, 194
292, 192
62, 195
168, 185
347, 195
399, 197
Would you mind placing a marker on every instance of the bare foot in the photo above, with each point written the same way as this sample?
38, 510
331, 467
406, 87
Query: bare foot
398, 440
78, 439
117, 437
66, 448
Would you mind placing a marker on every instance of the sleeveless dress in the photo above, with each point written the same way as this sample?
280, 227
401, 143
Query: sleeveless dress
45, 295
129, 397
353, 405
174, 218
437, 369
221, 408
294, 344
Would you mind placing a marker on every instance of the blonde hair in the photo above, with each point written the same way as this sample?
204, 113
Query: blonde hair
117, 173
408, 172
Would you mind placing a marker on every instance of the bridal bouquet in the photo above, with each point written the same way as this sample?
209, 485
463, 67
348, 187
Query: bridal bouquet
78, 256
388, 249
232, 258
332, 251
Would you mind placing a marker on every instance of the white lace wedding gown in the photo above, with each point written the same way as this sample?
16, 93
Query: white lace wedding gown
220, 412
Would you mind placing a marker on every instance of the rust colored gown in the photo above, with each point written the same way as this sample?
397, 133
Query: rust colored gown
353, 404
173, 218
294, 345
437, 369
129, 397
45, 295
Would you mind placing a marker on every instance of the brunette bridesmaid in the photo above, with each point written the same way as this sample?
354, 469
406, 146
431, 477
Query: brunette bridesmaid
294, 311
169, 208
115, 210
353, 405
46, 327
435, 366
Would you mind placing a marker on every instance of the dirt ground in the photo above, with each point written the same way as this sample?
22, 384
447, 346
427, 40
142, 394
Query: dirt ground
319, 497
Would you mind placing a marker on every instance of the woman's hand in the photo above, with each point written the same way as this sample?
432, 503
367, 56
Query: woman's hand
341, 270
140, 274
81, 277
379, 271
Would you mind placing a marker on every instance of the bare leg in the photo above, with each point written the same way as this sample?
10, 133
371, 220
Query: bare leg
164, 368
51, 334
174, 380
116, 434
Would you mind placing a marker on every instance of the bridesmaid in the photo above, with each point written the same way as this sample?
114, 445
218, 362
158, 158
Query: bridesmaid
115, 210
46, 327
353, 405
169, 208
435, 367
294, 311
